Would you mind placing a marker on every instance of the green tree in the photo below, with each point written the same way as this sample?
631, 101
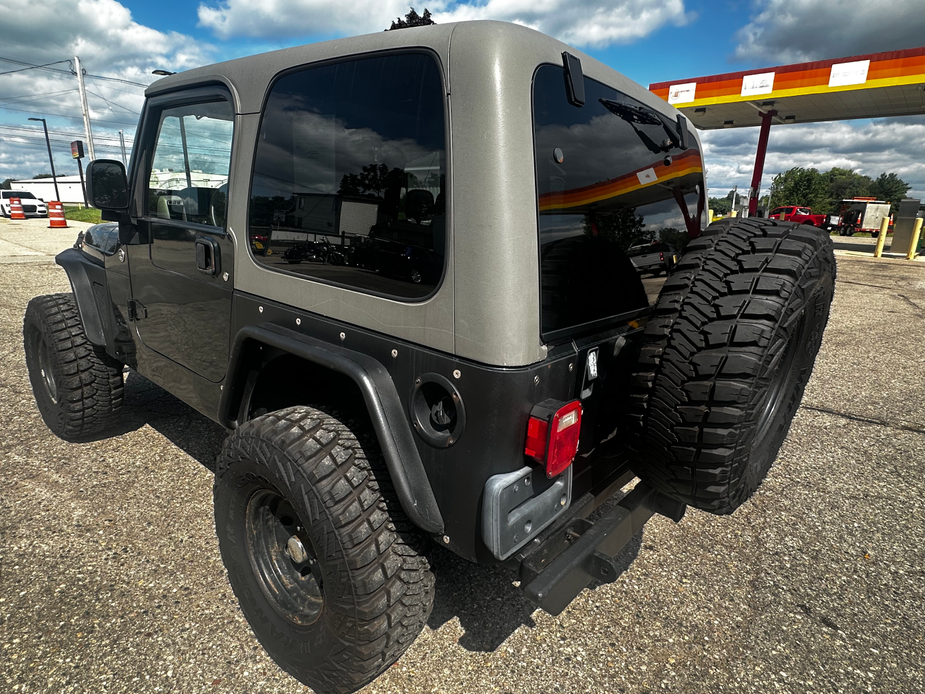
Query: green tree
38, 176
799, 186
6, 184
412, 19
844, 184
674, 237
890, 188
720, 206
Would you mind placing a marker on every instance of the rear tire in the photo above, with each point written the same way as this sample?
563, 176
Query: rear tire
78, 387
339, 603
726, 356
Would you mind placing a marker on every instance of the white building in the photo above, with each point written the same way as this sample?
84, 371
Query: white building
44, 188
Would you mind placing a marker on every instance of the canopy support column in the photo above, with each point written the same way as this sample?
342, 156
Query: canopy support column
755, 191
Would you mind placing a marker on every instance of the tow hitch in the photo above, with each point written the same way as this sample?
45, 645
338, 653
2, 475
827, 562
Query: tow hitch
566, 562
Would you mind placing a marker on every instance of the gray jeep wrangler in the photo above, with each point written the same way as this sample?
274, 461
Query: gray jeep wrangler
395, 268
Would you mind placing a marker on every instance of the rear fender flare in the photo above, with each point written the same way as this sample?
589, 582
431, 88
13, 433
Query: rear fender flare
379, 394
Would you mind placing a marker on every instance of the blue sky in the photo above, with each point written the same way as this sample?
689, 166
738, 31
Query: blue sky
647, 40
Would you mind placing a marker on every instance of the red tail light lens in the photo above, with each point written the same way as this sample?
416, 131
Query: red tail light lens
552, 435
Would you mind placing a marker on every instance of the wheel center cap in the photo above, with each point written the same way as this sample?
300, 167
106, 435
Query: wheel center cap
296, 550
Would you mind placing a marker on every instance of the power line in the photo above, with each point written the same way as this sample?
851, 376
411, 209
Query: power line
111, 104
68, 116
116, 79
53, 133
20, 100
30, 66
32, 97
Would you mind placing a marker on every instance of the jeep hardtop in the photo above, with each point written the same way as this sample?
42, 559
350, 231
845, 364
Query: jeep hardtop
395, 268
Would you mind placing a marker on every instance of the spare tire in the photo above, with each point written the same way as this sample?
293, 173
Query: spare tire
726, 355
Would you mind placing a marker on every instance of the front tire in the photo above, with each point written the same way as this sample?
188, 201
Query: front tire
726, 356
78, 387
327, 569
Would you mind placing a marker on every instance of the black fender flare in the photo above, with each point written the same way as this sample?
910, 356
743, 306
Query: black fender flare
83, 273
386, 412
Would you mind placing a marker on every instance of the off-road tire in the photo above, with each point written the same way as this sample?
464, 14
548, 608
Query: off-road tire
725, 358
78, 387
376, 586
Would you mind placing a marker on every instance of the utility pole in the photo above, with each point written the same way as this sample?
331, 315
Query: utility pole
51, 159
122, 143
84, 107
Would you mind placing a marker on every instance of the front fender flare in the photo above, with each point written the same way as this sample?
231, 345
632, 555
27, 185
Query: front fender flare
83, 273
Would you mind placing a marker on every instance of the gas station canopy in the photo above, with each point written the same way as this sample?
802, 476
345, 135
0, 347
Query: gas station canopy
879, 85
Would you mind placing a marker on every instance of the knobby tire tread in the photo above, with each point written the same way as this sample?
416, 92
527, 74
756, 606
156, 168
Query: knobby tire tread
710, 345
378, 552
90, 384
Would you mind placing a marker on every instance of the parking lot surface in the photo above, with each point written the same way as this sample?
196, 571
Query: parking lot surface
111, 581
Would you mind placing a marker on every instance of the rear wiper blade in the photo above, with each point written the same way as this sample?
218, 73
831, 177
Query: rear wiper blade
643, 115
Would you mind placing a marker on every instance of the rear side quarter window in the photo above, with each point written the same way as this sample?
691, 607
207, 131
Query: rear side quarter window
349, 183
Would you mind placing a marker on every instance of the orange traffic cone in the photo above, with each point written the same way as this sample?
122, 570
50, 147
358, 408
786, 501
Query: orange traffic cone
16, 209
56, 218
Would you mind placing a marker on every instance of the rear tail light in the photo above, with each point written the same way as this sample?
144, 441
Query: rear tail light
661, 256
552, 434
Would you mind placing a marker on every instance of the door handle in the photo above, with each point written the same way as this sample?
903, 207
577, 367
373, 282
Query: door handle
208, 258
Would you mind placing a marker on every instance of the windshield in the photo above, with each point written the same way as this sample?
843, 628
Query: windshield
22, 194
611, 175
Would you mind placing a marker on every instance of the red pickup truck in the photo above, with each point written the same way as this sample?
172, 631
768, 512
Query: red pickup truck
803, 215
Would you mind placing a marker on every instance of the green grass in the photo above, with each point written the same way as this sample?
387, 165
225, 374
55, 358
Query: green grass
86, 214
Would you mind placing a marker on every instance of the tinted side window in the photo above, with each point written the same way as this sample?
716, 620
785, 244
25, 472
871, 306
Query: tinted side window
188, 180
349, 178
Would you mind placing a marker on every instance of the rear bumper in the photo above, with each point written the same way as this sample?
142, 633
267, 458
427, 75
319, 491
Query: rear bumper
562, 561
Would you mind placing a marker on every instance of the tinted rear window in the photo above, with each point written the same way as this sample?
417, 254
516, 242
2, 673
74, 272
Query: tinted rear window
608, 178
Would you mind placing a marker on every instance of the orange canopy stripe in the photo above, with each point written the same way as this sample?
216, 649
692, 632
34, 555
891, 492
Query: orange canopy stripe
886, 69
682, 165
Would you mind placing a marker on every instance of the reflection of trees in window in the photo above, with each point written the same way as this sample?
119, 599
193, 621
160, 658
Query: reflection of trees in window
623, 227
266, 211
373, 179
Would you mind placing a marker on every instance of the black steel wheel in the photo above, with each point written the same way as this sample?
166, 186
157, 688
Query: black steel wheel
329, 572
78, 387
283, 558
725, 358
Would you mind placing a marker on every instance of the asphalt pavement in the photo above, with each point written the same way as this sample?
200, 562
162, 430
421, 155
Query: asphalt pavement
111, 581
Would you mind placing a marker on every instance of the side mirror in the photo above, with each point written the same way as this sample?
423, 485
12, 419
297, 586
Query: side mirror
107, 185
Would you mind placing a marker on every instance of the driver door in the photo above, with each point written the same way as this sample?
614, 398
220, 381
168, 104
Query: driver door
182, 284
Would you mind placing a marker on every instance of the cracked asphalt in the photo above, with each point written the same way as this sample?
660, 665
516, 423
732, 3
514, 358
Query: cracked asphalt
111, 581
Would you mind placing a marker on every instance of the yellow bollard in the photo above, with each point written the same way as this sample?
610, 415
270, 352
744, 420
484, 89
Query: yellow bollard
914, 246
884, 225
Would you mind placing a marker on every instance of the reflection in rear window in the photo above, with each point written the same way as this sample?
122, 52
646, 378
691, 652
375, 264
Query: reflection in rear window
610, 175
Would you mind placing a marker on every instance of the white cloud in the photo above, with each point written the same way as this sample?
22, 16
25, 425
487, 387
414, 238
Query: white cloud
109, 43
580, 22
593, 23
793, 31
866, 147
273, 19
102, 33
